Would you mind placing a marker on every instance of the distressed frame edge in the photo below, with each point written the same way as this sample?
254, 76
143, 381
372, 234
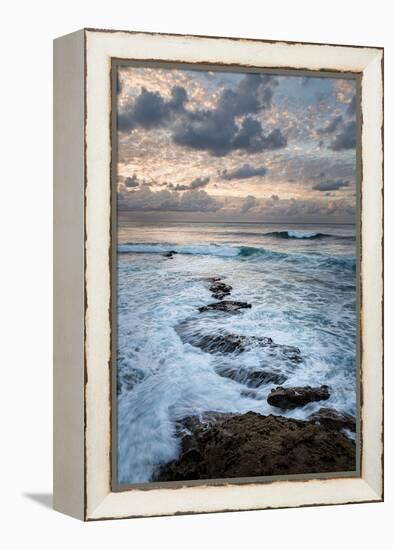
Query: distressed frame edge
375, 493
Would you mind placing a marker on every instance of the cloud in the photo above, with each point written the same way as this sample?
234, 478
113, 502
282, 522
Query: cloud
345, 131
346, 138
331, 185
144, 199
150, 109
227, 127
333, 125
275, 197
248, 203
243, 172
351, 109
197, 183
132, 181
218, 133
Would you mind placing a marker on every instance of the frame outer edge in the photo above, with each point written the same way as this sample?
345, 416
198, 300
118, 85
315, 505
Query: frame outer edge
68, 271
373, 484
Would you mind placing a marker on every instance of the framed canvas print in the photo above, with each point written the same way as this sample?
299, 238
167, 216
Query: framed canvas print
218, 274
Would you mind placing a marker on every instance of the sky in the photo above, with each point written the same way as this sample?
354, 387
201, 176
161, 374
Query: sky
214, 145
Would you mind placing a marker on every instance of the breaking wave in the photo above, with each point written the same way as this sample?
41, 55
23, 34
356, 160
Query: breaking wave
306, 235
251, 252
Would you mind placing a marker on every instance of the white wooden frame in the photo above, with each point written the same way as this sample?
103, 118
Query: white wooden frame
82, 442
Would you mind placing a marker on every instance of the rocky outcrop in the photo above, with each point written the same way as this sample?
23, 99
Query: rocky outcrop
228, 306
251, 377
220, 290
334, 420
234, 343
249, 445
290, 398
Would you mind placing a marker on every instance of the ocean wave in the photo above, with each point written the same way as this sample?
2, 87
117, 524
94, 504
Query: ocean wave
306, 235
241, 252
197, 250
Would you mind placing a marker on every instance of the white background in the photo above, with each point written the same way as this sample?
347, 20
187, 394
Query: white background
28, 28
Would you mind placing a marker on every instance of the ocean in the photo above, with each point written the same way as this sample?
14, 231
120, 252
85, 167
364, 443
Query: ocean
301, 283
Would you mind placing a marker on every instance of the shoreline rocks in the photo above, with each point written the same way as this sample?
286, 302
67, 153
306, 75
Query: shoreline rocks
235, 343
220, 290
334, 420
228, 306
290, 398
248, 445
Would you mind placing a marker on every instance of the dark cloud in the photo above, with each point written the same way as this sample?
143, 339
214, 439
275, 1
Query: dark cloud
333, 125
253, 93
346, 138
219, 131
150, 109
227, 127
243, 172
351, 109
132, 181
331, 185
342, 132
197, 183
220, 135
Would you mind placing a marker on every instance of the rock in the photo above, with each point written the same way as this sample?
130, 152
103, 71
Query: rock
213, 279
169, 254
225, 343
334, 420
289, 398
251, 394
250, 445
190, 332
251, 377
228, 306
220, 290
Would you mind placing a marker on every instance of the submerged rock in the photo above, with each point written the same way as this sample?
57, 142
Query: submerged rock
228, 306
249, 445
169, 254
251, 394
220, 290
192, 333
334, 420
251, 377
289, 398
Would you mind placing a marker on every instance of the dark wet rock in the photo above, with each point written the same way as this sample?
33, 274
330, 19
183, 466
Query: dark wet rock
334, 420
220, 290
169, 254
249, 445
190, 333
227, 306
251, 377
290, 398
225, 343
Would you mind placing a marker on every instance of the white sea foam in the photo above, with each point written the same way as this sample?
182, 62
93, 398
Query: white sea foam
302, 234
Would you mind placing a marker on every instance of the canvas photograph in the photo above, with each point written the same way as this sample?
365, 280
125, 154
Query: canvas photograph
235, 350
